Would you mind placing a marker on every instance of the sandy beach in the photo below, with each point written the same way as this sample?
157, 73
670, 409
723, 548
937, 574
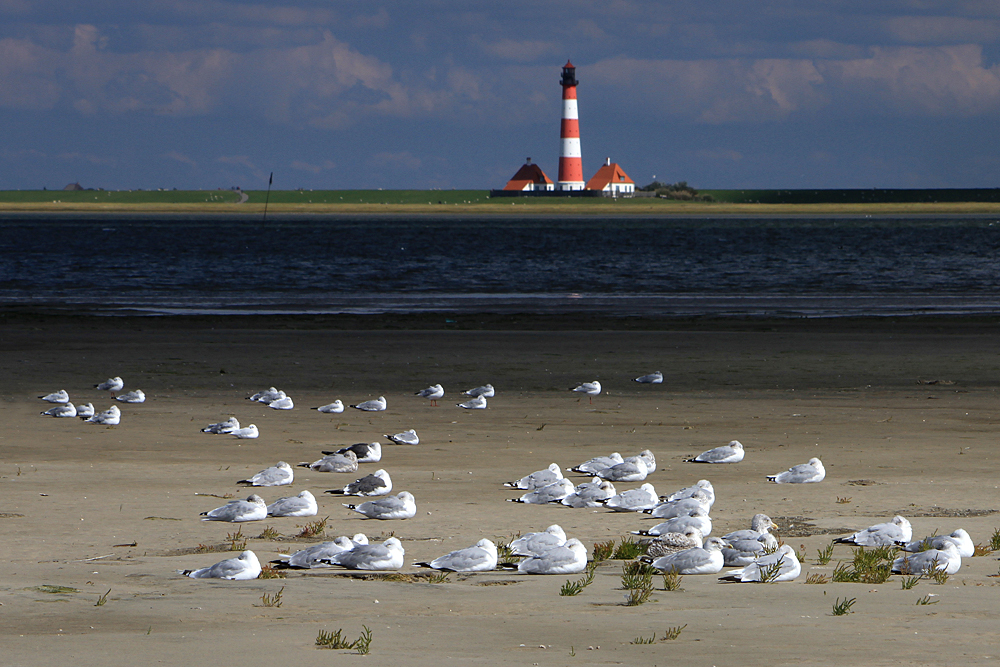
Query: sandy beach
903, 414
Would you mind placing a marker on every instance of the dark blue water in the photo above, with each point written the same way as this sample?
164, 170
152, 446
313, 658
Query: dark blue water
317, 264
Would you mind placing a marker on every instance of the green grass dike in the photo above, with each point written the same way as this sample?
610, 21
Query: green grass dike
984, 201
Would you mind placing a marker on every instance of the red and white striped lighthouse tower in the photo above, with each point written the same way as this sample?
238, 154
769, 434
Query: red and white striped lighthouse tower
570, 161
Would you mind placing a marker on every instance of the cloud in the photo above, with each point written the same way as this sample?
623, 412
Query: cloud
400, 160
180, 157
326, 165
926, 30
522, 51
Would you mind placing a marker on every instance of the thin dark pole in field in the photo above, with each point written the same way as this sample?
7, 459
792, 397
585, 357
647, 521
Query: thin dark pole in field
268, 197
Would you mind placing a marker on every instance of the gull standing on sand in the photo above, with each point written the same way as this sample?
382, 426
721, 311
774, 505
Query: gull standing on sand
706, 559
85, 411
376, 484
375, 405
279, 474
682, 507
743, 552
303, 504
477, 403
891, 532
537, 479
316, 555
731, 453
385, 556
759, 569
568, 558
697, 519
64, 410
656, 377
960, 538
332, 408
433, 393
247, 433
112, 385
591, 389
590, 494
228, 426
946, 559
110, 417
549, 493
346, 462
632, 469
702, 485
405, 438
267, 395
235, 511
597, 464
401, 506
134, 396
283, 403
759, 525
486, 391
367, 452
244, 567
480, 557
61, 396
633, 500
804, 473
533, 544
671, 543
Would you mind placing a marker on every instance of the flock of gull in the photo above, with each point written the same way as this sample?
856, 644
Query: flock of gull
681, 542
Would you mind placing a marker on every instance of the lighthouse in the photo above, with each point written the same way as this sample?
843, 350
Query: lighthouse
570, 161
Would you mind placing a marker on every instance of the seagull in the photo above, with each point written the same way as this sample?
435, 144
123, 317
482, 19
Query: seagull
375, 405
537, 479
376, 484
303, 504
246, 566
655, 377
598, 463
632, 469
228, 426
110, 417
760, 524
134, 396
697, 519
789, 567
346, 462
405, 438
568, 558
246, 433
702, 485
401, 506
65, 410
252, 509
553, 492
590, 494
533, 544
960, 538
731, 453
706, 559
671, 543
897, 529
591, 389
650, 461
283, 403
279, 474
113, 385
314, 556
486, 390
924, 562
813, 471
633, 500
682, 507
433, 392
480, 557
743, 552
267, 395
385, 556
85, 411
332, 408
365, 451
60, 396
477, 403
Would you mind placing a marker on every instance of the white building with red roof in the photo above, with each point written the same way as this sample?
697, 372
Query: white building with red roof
529, 178
612, 180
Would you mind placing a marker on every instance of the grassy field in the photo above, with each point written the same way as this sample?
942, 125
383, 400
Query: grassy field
478, 202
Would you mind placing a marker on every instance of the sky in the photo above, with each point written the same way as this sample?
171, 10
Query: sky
203, 94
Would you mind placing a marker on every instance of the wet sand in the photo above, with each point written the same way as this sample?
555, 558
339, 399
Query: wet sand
903, 414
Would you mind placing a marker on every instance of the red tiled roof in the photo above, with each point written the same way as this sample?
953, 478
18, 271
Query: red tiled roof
609, 173
528, 173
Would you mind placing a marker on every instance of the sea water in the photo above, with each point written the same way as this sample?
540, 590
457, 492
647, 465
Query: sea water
626, 266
